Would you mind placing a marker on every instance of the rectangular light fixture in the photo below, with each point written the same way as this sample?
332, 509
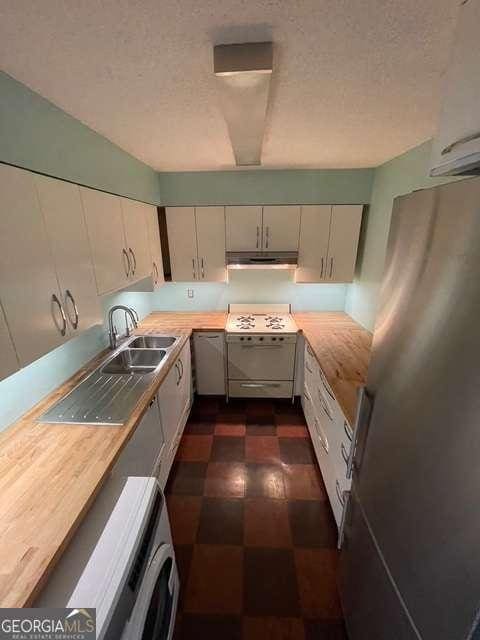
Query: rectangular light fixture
243, 74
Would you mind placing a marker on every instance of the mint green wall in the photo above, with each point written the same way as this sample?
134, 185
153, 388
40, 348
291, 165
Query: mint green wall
396, 177
261, 186
37, 135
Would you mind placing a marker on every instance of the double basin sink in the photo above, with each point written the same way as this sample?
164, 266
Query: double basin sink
111, 392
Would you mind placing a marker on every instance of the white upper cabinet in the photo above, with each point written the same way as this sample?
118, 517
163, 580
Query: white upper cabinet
63, 213
313, 247
196, 239
328, 243
243, 228
153, 231
103, 215
8, 361
281, 226
182, 241
28, 284
456, 146
343, 243
136, 238
210, 223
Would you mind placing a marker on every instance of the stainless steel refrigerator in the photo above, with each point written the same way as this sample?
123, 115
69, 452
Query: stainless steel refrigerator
410, 560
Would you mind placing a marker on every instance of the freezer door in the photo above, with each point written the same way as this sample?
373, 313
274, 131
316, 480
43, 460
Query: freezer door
419, 478
368, 617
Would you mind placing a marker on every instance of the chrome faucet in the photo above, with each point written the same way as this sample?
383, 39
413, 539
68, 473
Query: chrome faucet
112, 331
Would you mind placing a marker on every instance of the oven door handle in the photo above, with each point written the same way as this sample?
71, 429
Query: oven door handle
259, 385
262, 346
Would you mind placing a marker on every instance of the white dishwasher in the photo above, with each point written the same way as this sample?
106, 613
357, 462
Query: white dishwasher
210, 367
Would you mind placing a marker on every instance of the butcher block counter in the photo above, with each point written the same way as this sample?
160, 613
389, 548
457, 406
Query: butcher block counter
50, 474
342, 348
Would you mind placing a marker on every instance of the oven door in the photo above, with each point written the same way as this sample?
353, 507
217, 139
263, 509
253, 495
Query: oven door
261, 361
153, 616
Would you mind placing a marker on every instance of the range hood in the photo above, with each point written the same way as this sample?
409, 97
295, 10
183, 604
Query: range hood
262, 259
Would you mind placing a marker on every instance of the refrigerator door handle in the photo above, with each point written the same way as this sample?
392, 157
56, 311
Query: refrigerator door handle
362, 420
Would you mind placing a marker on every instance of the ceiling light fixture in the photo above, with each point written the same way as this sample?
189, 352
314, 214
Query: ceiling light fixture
243, 74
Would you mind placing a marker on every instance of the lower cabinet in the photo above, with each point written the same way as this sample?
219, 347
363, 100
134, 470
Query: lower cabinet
330, 433
174, 401
143, 455
209, 351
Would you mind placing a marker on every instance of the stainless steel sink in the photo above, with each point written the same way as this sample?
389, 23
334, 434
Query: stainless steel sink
135, 361
110, 393
152, 342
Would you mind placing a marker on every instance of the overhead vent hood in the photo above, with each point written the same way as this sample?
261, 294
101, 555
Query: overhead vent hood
262, 259
243, 74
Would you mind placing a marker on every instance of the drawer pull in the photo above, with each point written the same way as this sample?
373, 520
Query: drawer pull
347, 430
344, 453
308, 368
324, 405
328, 390
340, 493
323, 440
457, 143
309, 351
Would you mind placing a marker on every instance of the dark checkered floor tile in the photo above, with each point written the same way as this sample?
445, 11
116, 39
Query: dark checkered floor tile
252, 527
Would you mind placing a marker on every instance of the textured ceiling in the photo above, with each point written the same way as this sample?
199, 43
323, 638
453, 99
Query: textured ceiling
355, 82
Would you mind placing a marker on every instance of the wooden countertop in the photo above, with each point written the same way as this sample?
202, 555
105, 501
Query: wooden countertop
50, 474
342, 348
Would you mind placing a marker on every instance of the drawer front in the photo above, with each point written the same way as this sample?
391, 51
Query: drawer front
260, 389
312, 370
317, 433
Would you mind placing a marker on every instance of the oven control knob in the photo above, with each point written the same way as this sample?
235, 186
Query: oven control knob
242, 338
261, 338
249, 338
281, 338
273, 339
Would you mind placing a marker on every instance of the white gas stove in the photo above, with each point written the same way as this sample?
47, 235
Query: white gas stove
261, 347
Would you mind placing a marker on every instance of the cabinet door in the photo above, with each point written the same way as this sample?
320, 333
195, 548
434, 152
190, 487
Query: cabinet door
281, 226
211, 243
313, 246
9, 361
243, 228
136, 238
457, 143
182, 241
141, 455
343, 244
171, 403
185, 386
153, 230
63, 213
28, 284
103, 215
209, 362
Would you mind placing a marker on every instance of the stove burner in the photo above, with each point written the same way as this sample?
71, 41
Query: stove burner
250, 319
275, 319
275, 326
245, 325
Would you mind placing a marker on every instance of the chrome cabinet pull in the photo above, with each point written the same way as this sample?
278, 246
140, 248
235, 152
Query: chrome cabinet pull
321, 272
193, 269
323, 441
449, 148
203, 270
126, 265
155, 272
340, 493
309, 350
307, 367
132, 253
267, 236
306, 396
62, 330
341, 528
324, 405
327, 389
344, 453
258, 237
178, 371
180, 364
68, 295
331, 267
347, 430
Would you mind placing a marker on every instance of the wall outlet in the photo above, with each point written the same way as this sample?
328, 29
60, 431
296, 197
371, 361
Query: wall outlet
190, 293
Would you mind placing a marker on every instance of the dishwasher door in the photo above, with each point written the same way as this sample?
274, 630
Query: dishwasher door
209, 352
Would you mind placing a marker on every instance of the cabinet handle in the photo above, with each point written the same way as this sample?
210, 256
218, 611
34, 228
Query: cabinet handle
309, 350
267, 236
193, 269
307, 367
344, 453
321, 271
306, 396
362, 420
331, 267
155, 272
203, 270
63, 330
449, 148
132, 253
68, 295
178, 371
126, 265
347, 431
340, 493
323, 441
258, 237
324, 405
180, 364
328, 390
